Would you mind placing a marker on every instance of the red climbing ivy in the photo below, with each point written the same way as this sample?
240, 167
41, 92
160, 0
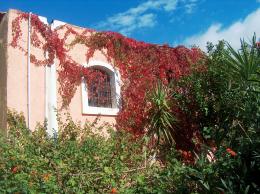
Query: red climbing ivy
140, 64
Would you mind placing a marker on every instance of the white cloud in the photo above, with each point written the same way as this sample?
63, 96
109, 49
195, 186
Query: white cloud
241, 29
258, 1
190, 6
146, 20
142, 16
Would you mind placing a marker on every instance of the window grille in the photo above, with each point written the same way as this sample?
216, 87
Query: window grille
99, 90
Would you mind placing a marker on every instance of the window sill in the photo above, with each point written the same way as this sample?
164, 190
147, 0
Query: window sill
100, 111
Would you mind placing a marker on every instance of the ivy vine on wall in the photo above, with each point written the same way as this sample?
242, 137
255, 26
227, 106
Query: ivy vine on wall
141, 64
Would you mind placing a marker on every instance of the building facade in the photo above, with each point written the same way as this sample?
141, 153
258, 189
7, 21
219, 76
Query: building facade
34, 90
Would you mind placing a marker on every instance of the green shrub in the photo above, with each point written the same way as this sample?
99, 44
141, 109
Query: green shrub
216, 109
78, 161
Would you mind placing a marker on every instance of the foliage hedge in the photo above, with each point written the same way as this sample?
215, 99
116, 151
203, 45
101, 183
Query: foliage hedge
80, 161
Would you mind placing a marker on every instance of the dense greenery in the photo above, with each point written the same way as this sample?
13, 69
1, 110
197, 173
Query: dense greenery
202, 137
223, 103
78, 161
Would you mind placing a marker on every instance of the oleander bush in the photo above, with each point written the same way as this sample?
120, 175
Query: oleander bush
214, 124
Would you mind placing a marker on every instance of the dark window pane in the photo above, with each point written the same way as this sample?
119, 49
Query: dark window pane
99, 90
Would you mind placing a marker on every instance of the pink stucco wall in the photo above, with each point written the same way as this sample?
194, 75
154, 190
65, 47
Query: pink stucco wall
75, 107
17, 77
17, 80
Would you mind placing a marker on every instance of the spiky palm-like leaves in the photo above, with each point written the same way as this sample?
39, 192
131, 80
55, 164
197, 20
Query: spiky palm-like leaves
160, 117
244, 64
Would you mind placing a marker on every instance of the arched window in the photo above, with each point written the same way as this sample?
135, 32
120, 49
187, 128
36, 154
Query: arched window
99, 89
101, 95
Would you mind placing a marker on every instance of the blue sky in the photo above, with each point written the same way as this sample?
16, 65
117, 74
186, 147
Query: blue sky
156, 21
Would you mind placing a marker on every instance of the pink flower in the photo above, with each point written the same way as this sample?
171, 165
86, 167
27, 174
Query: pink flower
231, 152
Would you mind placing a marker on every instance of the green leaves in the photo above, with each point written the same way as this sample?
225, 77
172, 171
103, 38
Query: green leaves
244, 64
35, 163
161, 120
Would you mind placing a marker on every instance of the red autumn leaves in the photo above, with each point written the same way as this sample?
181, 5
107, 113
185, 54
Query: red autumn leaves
140, 64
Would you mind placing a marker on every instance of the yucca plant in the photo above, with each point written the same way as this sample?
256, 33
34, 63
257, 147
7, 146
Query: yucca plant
160, 117
243, 69
244, 64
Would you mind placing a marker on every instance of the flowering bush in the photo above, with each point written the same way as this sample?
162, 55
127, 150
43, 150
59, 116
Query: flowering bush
218, 130
78, 161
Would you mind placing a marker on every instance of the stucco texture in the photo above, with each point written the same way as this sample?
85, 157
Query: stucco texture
13, 84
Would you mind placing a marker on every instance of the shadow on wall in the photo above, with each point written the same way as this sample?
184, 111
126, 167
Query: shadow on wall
3, 72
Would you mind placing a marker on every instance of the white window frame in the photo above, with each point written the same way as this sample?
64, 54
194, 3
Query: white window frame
115, 93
